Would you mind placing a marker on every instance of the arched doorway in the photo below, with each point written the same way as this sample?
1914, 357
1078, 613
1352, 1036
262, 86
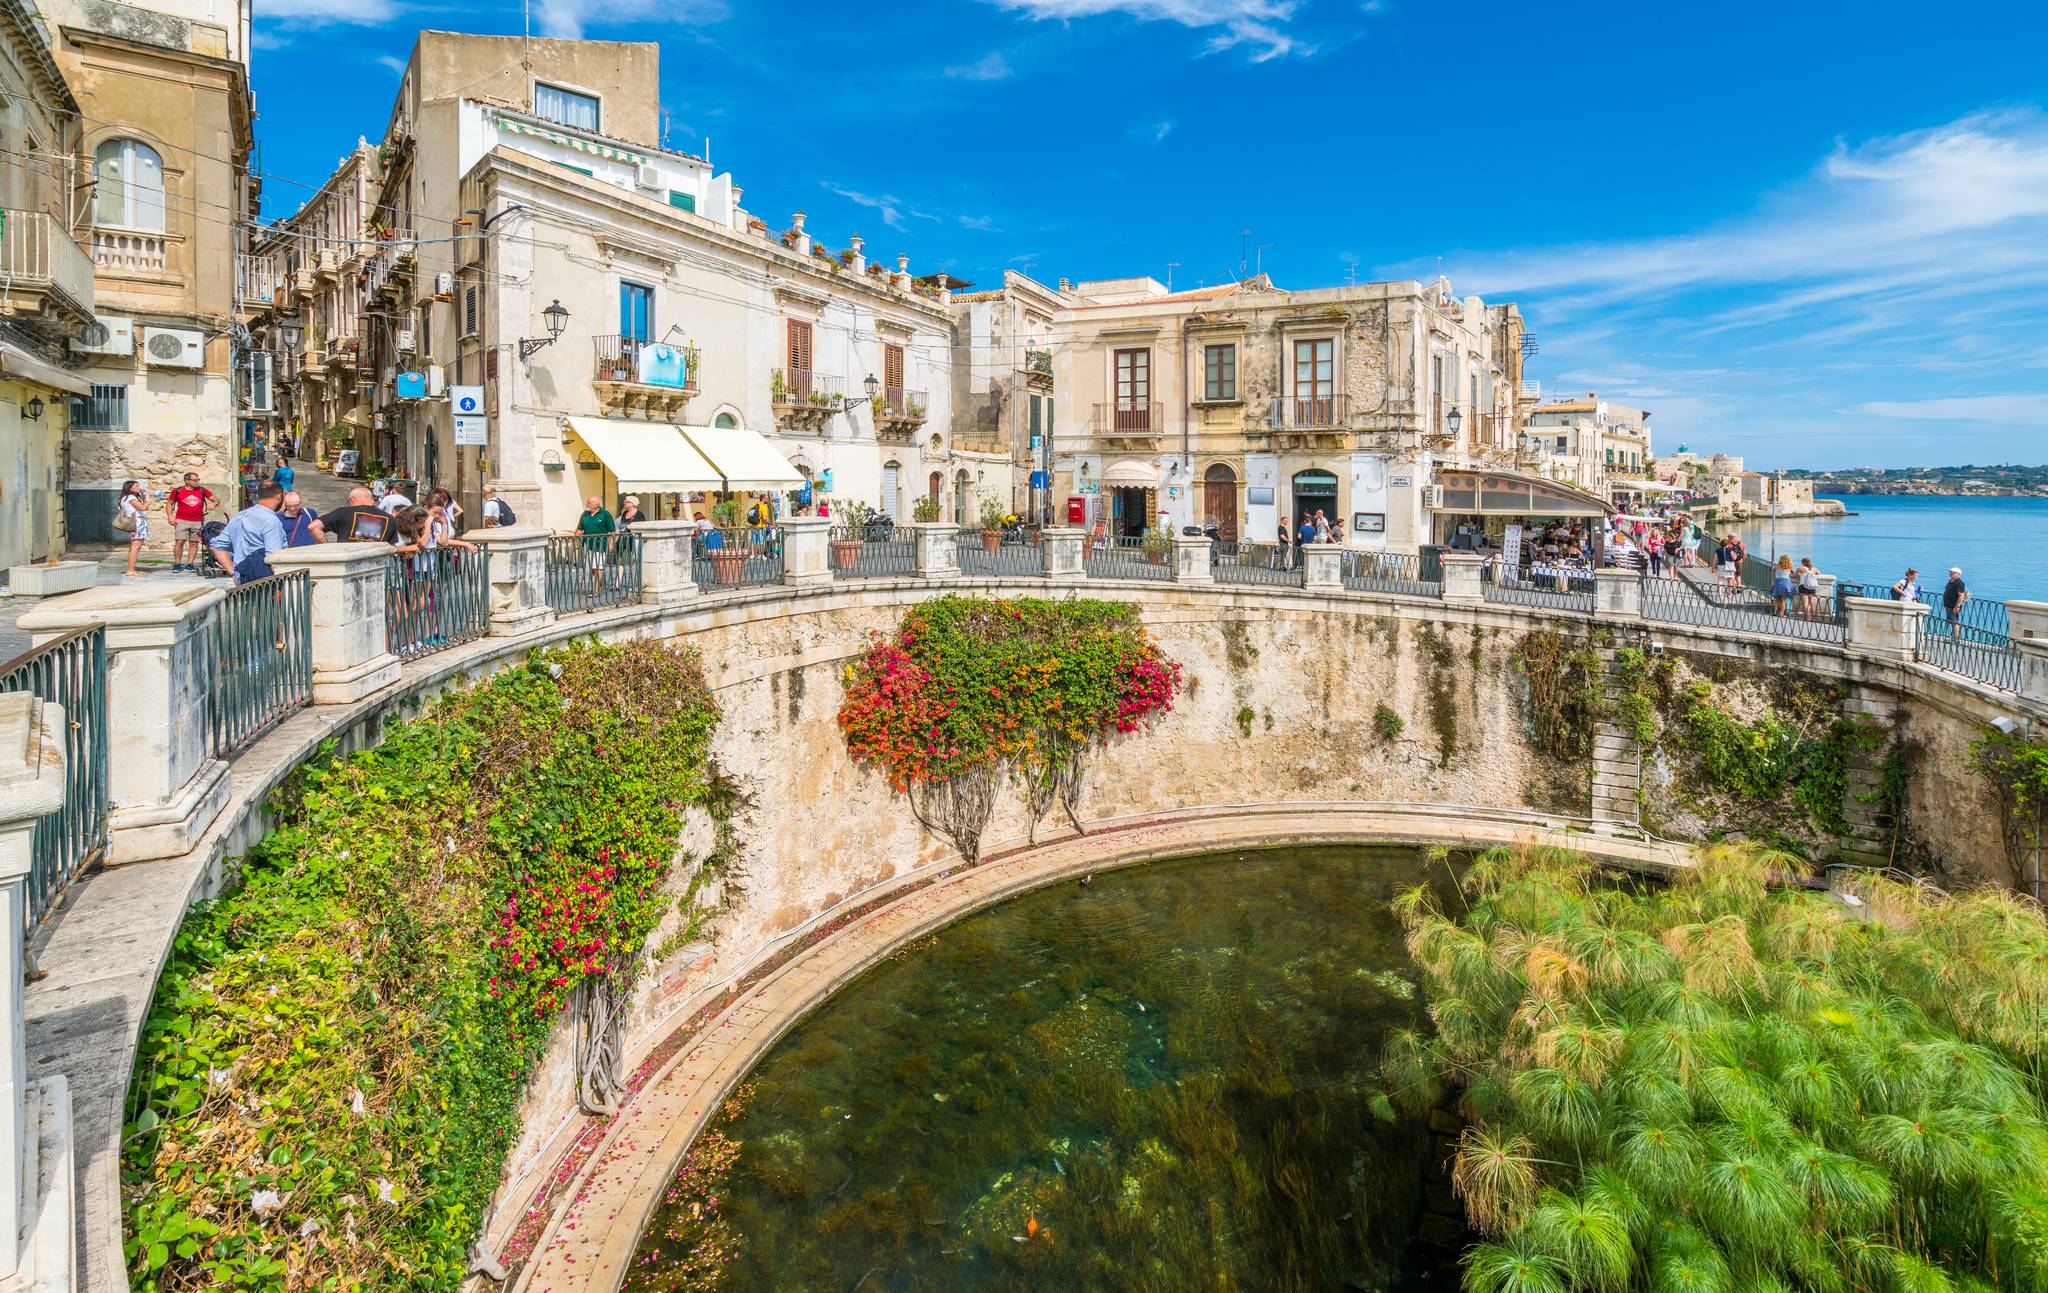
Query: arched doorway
963, 499
1219, 501
892, 492
1314, 491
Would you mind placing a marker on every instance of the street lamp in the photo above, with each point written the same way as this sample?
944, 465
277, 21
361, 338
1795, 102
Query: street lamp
35, 408
872, 386
1454, 420
556, 316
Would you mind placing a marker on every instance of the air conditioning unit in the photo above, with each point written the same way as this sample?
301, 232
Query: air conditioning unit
106, 335
437, 381
648, 177
174, 347
405, 340
444, 287
1433, 497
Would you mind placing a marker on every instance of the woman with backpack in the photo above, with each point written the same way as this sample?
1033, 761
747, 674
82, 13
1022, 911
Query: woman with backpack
1809, 588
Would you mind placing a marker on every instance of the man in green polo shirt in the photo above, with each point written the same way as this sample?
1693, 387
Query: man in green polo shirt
597, 527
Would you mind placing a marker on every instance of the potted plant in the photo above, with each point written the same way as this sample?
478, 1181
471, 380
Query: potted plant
1157, 544
730, 558
926, 509
991, 523
846, 544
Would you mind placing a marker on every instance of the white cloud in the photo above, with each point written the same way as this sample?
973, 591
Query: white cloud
990, 67
571, 19
315, 13
2017, 412
1254, 24
893, 209
1150, 132
392, 61
977, 222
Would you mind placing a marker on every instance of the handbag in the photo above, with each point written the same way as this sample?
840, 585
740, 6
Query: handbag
124, 522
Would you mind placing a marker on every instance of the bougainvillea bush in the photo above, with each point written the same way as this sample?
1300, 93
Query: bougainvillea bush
969, 692
1731, 1084
329, 1077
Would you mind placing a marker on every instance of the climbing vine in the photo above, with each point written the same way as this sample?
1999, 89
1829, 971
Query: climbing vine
1803, 749
2018, 771
330, 1076
1564, 691
969, 692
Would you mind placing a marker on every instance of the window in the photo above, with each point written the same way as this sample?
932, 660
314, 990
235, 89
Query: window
1219, 372
892, 374
1036, 425
1315, 382
426, 327
798, 379
1133, 379
725, 422
1436, 393
104, 409
469, 311
682, 201
565, 106
128, 180
636, 312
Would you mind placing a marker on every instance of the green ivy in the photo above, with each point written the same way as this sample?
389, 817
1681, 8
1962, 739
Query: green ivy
1564, 692
1770, 757
330, 1074
2017, 768
1387, 724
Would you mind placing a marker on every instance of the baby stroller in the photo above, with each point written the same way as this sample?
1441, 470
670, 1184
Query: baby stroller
209, 564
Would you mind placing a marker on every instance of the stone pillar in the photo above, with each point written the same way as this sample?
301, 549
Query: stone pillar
1826, 595
665, 551
2027, 622
1461, 578
1191, 559
519, 578
1617, 594
806, 552
1882, 627
31, 787
351, 644
1059, 551
937, 556
1322, 567
164, 787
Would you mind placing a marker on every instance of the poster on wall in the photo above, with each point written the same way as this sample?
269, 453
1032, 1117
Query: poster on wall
1368, 522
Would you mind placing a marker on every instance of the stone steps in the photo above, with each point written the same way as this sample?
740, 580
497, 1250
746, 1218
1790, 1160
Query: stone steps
1617, 762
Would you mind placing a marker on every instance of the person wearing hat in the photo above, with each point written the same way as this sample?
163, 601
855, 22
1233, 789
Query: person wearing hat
1953, 596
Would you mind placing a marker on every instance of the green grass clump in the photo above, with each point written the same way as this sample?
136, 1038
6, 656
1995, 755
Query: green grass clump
329, 1077
1721, 1085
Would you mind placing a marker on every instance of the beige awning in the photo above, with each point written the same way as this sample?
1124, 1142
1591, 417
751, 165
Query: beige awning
357, 417
19, 363
1131, 471
649, 456
742, 458
1513, 493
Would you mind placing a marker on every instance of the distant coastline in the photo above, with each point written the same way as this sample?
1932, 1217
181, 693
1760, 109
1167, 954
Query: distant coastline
2010, 480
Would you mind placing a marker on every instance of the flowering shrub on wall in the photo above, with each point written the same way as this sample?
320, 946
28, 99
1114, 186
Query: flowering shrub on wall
969, 692
329, 1077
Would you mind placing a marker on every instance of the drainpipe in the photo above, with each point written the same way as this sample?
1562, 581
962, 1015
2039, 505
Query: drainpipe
1187, 460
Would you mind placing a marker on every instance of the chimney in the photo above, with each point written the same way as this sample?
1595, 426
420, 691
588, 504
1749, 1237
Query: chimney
1065, 286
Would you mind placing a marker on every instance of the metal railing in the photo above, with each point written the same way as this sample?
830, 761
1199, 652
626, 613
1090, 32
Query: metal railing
618, 360
1322, 412
105, 409
1118, 557
70, 671
1126, 418
803, 386
586, 572
1557, 587
900, 403
737, 556
1418, 574
259, 659
37, 253
1677, 600
436, 600
1015, 552
1958, 646
1039, 362
872, 551
1235, 561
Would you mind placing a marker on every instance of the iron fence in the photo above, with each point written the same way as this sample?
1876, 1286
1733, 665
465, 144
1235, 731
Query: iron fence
1559, 588
1682, 601
737, 556
70, 671
1959, 647
587, 572
436, 600
873, 551
1015, 552
1117, 557
259, 659
1420, 574
1233, 561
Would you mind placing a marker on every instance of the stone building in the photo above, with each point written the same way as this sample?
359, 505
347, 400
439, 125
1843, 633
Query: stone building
1623, 431
1003, 386
1247, 406
49, 286
163, 90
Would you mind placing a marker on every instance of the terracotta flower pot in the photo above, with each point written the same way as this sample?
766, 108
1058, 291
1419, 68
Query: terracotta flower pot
726, 566
845, 554
991, 540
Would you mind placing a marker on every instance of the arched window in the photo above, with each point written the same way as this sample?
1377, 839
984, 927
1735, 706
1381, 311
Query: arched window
725, 422
128, 189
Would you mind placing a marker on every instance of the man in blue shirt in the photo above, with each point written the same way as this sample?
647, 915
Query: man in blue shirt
253, 534
1303, 537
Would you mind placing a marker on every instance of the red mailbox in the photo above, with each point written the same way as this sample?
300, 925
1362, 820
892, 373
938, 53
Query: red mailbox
1077, 510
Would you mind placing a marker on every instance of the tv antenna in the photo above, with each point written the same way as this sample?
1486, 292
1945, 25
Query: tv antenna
1259, 256
1171, 266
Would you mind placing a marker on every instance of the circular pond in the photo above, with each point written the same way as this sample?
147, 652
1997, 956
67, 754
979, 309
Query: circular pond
1163, 1080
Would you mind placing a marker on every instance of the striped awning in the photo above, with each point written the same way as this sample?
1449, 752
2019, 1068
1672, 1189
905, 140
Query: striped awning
595, 148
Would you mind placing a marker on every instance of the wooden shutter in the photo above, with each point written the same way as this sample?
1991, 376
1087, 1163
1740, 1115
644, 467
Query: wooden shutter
799, 345
892, 367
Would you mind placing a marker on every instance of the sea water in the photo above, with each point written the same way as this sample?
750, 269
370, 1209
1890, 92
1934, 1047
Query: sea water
2001, 543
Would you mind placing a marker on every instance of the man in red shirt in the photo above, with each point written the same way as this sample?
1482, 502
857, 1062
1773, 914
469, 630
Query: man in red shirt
188, 512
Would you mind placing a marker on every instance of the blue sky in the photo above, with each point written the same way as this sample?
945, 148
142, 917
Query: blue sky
1812, 233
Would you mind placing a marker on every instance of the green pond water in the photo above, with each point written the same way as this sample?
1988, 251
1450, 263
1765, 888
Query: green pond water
1163, 1081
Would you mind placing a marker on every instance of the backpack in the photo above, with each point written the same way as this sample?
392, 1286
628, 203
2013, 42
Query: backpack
506, 516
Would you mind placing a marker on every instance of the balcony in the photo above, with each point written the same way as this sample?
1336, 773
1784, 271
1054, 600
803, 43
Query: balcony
344, 352
1127, 424
1315, 423
122, 252
327, 264
643, 379
898, 413
302, 282
1038, 369
49, 280
804, 399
